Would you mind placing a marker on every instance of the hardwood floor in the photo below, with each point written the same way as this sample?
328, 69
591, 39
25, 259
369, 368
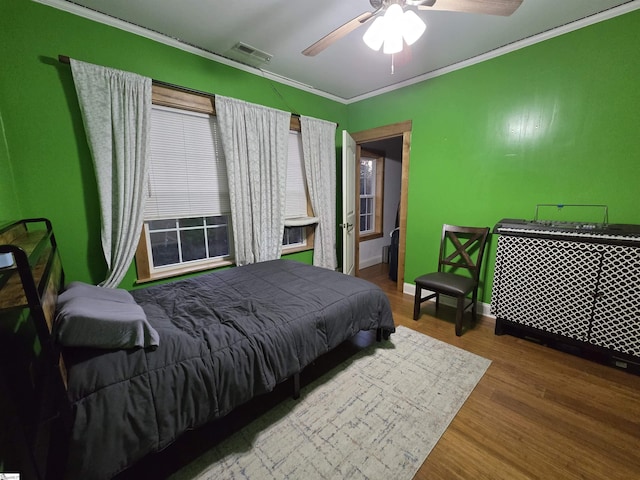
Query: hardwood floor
538, 413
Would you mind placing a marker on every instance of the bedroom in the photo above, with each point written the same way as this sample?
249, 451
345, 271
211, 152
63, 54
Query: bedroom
592, 156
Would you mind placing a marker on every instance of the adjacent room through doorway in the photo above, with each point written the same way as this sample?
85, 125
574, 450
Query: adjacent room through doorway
380, 217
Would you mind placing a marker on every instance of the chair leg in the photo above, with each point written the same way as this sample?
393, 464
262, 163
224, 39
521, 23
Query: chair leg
473, 305
459, 314
437, 301
416, 303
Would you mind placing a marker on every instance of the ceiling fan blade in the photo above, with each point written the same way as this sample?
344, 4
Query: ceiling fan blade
486, 7
338, 33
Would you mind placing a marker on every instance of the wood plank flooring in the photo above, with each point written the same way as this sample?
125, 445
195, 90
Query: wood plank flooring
538, 413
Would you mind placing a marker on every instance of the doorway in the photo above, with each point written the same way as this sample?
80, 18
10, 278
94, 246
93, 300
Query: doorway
396, 139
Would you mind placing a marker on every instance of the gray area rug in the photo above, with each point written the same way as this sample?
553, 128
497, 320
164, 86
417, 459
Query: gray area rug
376, 416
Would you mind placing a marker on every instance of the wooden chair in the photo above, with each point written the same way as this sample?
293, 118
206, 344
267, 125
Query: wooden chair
446, 281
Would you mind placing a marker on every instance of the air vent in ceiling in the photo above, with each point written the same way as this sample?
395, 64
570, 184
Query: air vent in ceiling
249, 55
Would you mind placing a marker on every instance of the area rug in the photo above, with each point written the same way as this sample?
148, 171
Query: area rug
376, 416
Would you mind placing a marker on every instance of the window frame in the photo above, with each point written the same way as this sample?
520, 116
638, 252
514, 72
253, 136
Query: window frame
294, 246
147, 272
168, 96
308, 244
378, 158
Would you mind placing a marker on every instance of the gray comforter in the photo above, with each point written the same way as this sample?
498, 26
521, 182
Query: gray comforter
225, 337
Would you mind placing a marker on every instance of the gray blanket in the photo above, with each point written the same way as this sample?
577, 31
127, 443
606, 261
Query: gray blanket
225, 337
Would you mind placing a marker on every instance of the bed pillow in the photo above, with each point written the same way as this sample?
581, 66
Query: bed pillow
81, 289
99, 323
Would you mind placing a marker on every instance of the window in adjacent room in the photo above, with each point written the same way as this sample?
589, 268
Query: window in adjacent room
371, 194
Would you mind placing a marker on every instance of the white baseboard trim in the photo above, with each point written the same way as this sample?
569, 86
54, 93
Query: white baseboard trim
482, 308
370, 262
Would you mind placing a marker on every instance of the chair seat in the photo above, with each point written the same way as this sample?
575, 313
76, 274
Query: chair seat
446, 283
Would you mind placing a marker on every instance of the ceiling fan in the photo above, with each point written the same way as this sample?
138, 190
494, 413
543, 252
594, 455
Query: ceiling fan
487, 7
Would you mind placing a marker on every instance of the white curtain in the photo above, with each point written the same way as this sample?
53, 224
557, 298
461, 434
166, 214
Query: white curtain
116, 108
255, 143
319, 153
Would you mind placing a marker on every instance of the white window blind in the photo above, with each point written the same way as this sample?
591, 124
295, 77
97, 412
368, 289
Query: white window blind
296, 183
187, 172
296, 197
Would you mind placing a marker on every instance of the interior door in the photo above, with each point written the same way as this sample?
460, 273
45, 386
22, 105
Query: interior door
348, 204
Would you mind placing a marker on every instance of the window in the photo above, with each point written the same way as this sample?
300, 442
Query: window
367, 195
187, 218
371, 194
296, 233
185, 240
294, 237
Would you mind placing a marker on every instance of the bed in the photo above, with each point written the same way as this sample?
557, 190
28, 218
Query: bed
224, 338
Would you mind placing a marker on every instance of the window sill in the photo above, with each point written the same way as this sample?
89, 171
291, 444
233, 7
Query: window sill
370, 236
183, 270
296, 249
300, 221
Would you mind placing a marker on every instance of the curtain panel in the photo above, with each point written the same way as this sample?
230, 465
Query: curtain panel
255, 145
115, 107
319, 153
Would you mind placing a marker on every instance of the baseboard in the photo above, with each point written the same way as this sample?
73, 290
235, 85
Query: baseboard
370, 262
483, 309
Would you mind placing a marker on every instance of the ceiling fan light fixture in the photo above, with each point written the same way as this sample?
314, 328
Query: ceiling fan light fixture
393, 29
393, 43
394, 20
375, 34
413, 27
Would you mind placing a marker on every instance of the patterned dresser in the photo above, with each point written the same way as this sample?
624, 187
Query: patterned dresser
572, 286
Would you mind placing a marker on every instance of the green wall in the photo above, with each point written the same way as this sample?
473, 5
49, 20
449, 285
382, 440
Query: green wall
9, 205
556, 122
51, 164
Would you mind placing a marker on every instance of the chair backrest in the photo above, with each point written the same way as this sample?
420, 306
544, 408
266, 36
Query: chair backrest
462, 247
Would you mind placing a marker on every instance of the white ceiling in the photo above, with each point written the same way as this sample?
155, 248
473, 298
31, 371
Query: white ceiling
348, 70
